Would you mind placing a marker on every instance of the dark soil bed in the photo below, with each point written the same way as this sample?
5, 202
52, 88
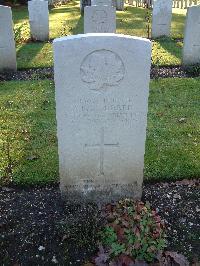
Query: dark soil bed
37, 229
156, 72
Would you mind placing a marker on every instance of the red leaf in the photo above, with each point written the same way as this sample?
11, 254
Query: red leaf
125, 223
137, 245
115, 226
136, 231
120, 234
157, 219
137, 217
126, 260
122, 260
156, 234
139, 206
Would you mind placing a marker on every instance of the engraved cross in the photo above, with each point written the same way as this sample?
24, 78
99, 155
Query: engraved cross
101, 146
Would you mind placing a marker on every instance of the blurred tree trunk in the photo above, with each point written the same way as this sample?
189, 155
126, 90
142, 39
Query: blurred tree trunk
83, 3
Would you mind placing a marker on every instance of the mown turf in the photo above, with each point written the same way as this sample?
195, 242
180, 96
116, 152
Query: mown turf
28, 128
173, 144
28, 131
67, 20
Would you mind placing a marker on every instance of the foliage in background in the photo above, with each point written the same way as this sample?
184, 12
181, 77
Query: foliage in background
22, 32
133, 232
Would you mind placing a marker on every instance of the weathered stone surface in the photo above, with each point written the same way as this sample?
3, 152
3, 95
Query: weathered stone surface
7, 43
101, 2
191, 48
99, 19
39, 19
119, 5
102, 86
161, 18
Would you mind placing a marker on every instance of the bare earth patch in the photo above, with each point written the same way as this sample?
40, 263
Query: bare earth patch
156, 72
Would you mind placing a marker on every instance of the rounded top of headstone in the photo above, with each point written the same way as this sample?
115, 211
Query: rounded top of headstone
102, 35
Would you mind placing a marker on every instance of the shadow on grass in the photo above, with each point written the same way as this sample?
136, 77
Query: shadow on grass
20, 14
31, 126
177, 25
63, 10
171, 46
30, 55
132, 21
79, 27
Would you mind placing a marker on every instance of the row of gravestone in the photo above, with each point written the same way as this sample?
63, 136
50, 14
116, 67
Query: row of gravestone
161, 24
100, 17
176, 3
184, 3
118, 4
97, 19
39, 27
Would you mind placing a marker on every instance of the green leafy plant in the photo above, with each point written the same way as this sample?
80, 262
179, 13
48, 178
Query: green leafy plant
133, 232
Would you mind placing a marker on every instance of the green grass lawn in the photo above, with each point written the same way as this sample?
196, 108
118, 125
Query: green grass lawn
28, 131
165, 52
66, 20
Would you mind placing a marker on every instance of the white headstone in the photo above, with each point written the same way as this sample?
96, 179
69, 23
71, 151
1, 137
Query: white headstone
39, 19
101, 2
102, 87
161, 18
83, 4
7, 43
99, 19
119, 5
191, 48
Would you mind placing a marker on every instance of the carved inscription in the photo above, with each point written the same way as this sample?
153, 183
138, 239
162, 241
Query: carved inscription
100, 20
101, 69
103, 110
101, 146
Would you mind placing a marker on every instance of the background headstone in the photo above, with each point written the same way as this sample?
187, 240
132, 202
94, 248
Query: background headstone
191, 48
119, 5
102, 87
161, 18
83, 4
39, 19
101, 2
7, 43
99, 19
